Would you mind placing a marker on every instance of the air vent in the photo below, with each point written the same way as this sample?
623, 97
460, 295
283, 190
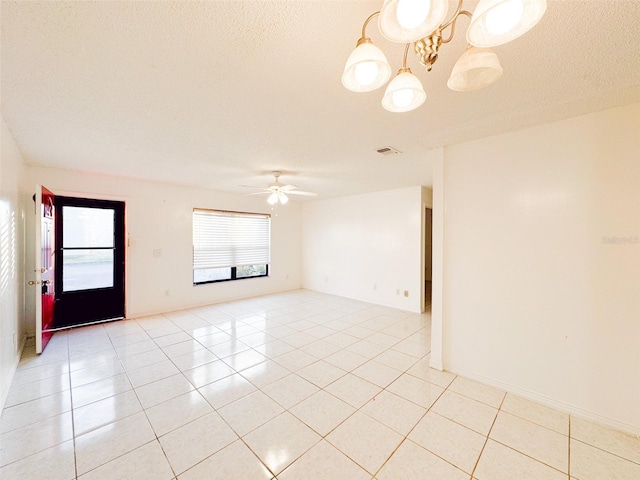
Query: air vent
388, 151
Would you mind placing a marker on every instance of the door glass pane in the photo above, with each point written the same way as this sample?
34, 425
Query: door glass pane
86, 269
87, 227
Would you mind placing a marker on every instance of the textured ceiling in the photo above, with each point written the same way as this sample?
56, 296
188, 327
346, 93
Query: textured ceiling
217, 94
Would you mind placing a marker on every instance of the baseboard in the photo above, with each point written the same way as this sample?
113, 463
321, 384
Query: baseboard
549, 402
14, 368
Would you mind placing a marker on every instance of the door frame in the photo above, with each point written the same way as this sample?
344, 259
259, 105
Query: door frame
120, 262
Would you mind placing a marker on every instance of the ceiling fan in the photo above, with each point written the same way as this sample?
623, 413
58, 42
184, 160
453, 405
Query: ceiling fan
278, 192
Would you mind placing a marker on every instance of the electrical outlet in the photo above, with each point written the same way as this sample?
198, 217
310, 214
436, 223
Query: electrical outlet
375, 287
397, 291
406, 293
157, 253
166, 293
326, 279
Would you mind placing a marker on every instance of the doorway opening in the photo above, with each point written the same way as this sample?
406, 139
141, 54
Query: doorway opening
89, 261
428, 256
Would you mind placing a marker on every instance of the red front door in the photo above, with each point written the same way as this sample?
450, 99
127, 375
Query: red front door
45, 263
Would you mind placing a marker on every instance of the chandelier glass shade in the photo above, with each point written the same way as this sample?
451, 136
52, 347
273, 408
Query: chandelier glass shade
476, 68
423, 23
405, 21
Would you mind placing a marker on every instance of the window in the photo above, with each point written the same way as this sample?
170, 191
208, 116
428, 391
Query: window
230, 245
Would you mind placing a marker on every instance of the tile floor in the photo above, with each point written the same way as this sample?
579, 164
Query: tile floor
298, 385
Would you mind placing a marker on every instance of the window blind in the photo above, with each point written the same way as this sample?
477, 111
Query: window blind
229, 239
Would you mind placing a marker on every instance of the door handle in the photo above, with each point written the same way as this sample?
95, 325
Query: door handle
46, 282
31, 282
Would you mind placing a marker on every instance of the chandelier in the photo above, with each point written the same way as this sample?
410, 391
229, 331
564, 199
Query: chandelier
423, 23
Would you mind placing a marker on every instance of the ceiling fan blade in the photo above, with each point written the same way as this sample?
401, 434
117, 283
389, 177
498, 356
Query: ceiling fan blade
256, 193
299, 192
288, 188
252, 186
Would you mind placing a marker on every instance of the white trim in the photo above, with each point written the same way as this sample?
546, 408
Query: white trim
6, 387
437, 273
549, 402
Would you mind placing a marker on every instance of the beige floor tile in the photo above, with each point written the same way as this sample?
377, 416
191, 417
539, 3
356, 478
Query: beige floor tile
151, 373
295, 360
208, 373
143, 359
147, 461
321, 349
28, 375
536, 413
195, 441
321, 373
178, 349
265, 373
104, 412
324, 462
590, 463
172, 339
176, 412
398, 360
416, 390
163, 390
394, 411
454, 443
290, 390
346, 360
111, 441
35, 438
281, 441
228, 348
194, 359
322, 412
55, 463
353, 390
478, 391
33, 390
128, 350
274, 348
412, 462
498, 462
533, 440
244, 360
249, 412
613, 441
377, 373
92, 392
227, 390
34, 411
422, 370
95, 373
365, 440
468, 412
235, 462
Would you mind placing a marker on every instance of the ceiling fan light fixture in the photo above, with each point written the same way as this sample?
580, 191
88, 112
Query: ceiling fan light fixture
406, 21
495, 22
273, 199
404, 93
476, 68
283, 198
366, 69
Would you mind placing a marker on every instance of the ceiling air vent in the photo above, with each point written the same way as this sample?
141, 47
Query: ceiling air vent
388, 151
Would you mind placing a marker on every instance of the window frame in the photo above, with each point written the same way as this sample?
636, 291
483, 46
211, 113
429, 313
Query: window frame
233, 269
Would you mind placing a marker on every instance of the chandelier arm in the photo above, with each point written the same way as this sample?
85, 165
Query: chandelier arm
453, 24
453, 18
404, 60
366, 22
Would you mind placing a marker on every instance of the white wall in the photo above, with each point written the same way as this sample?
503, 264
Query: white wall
159, 216
12, 279
366, 247
535, 299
